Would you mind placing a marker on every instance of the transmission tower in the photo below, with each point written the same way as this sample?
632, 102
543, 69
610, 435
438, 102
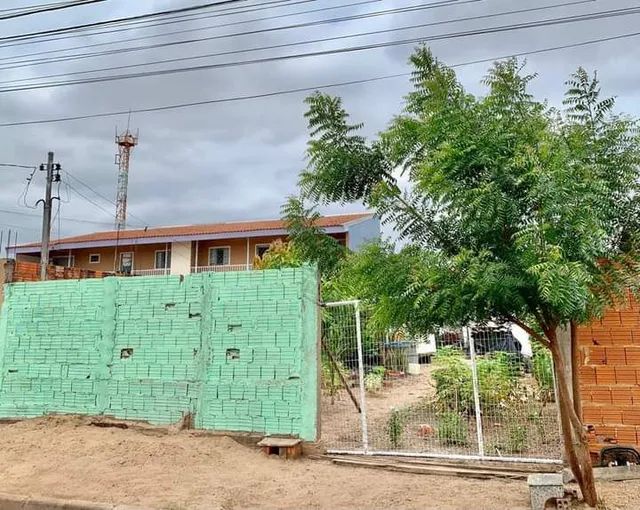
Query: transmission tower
125, 142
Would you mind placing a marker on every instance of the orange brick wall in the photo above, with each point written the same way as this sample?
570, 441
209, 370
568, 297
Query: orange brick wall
610, 377
30, 272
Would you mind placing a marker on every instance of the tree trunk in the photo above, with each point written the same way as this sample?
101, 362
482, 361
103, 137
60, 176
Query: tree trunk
575, 370
573, 432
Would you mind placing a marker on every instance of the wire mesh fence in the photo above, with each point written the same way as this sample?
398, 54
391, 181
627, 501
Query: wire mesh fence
479, 391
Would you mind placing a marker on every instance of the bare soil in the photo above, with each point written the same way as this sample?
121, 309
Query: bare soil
65, 457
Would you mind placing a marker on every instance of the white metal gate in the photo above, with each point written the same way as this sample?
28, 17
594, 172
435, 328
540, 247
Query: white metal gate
486, 394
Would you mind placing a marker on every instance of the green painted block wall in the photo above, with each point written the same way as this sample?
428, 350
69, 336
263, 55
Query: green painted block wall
238, 350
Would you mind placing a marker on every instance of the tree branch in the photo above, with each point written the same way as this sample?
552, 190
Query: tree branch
529, 330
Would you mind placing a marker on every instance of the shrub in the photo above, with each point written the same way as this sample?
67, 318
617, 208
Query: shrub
374, 380
452, 430
395, 427
543, 372
497, 381
331, 382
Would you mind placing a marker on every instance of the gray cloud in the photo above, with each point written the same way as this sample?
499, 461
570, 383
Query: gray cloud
239, 160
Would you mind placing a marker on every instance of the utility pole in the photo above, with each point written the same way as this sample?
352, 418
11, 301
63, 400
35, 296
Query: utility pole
46, 218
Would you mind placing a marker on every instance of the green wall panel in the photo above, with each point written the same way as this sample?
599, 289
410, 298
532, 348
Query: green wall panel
238, 350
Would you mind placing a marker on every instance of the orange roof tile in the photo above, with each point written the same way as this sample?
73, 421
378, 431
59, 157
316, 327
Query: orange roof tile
237, 227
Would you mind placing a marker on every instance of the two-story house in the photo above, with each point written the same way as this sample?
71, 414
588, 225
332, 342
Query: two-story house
190, 248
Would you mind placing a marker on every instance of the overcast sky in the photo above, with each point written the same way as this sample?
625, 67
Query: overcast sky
239, 160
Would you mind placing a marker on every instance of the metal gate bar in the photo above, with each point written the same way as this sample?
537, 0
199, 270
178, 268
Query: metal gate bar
495, 416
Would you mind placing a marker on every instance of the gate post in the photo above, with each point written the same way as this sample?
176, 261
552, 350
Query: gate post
363, 398
476, 391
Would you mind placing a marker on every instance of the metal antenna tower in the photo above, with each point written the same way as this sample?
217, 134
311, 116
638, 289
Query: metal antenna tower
125, 142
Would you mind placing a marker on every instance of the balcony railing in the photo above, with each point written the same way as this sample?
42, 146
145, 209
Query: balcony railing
151, 272
222, 268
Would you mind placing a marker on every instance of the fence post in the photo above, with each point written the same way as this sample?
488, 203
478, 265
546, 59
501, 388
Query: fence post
476, 392
363, 398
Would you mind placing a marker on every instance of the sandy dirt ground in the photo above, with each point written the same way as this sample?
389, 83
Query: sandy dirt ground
67, 458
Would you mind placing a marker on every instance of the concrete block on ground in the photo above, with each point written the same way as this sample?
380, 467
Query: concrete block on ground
543, 487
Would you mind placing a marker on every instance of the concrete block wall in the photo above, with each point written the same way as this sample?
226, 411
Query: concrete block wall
610, 376
238, 350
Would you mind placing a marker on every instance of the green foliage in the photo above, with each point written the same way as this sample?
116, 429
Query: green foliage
278, 256
331, 382
395, 427
497, 381
374, 380
543, 372
452, 429
309, 243
514, 211
515, 440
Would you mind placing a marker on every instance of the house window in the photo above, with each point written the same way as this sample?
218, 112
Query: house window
94, 258
261, 249
219, 256
126, 262
65, 261
163, 259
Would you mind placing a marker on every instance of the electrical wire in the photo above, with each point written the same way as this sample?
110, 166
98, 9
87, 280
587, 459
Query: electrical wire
29, 215
10, 165
276, 46
23, 196
120, 20
97, 193
30, 12
82, 195
80, 56
308, 89
184, 31
336, 51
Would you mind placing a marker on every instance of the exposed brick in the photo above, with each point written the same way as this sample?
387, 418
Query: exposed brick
612, 415
631, 416
621, 395
633, 356
625, 375
597, 355
615, 356
587, 375
626, 434
606, 375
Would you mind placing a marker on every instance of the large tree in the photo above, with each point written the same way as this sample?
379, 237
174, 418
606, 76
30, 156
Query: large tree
519, 212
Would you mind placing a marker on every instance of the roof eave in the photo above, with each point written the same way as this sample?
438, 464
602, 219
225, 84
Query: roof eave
166, 239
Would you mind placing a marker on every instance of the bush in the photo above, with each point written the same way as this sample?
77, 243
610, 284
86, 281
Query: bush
452, 430
395, 427
543, 372
374, 380
497, 381
331, 382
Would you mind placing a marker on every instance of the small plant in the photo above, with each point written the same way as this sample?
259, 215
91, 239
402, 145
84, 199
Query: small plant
395, 427
452, 430
517, 440
331, 381
543, 372
374, 380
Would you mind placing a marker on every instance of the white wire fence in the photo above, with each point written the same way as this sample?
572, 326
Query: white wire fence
483, 392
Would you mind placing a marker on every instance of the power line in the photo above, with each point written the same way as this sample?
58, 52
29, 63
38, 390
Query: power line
52, 7
307, 89
31, 35
342, 19
38, 216
312, 41
10, 165
97, 193
82, 195
484, 31
176, 32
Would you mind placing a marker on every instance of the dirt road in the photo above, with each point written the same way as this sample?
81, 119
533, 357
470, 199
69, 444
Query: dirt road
65, 457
